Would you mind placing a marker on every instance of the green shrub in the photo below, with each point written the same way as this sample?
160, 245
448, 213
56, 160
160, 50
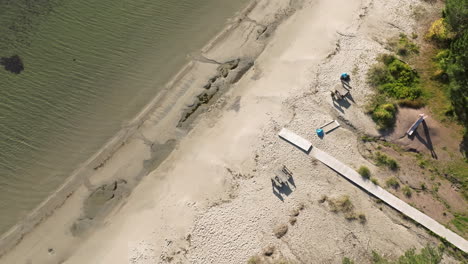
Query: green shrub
392, 164
407, 191
347, 261
384, 116
374, 181
392, 182
394, 78
442, 59
384, 160
364, 171
423, 186
401, 91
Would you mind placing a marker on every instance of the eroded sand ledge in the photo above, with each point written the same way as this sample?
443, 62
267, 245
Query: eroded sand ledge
210, 200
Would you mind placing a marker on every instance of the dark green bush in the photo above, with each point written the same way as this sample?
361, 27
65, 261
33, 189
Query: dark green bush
394, 78
364, 171
456, 12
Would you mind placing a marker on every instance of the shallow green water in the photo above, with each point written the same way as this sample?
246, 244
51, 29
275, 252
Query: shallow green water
89, 66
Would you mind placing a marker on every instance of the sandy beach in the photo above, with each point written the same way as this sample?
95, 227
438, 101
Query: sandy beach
192, 183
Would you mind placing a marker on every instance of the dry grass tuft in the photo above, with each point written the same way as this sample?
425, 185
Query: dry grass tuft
341, 204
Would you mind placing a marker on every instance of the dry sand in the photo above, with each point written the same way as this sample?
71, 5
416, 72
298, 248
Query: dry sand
211, 200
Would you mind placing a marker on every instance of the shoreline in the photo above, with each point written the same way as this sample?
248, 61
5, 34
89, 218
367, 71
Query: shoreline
46, 208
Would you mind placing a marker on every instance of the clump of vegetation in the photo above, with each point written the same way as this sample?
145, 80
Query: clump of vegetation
416, 103
428, 255
364, 171
384, 160
407, 191
461, 222
374, 181
347, 261
440, 32
423, 186
280, 230
342, 204
404, 46
452, 31
367, 138
393, 182
442, 60
395, 81
395, 78
384, 115
350, 216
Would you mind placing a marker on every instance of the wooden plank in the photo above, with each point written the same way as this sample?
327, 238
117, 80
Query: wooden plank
294, 139
416, 124
390, 199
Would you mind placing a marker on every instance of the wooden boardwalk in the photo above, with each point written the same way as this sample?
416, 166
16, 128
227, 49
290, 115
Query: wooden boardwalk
390, 199
294, 139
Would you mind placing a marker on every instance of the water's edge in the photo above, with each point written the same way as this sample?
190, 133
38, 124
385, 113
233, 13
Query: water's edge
46, 208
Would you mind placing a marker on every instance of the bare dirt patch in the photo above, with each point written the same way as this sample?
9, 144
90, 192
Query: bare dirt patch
431, 137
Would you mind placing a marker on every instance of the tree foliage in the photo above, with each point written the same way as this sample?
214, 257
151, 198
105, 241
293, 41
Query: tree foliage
456, 15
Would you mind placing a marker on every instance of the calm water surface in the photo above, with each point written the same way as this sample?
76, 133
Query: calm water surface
89, 66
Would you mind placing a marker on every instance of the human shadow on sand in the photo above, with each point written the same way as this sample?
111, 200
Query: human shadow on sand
427, 142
